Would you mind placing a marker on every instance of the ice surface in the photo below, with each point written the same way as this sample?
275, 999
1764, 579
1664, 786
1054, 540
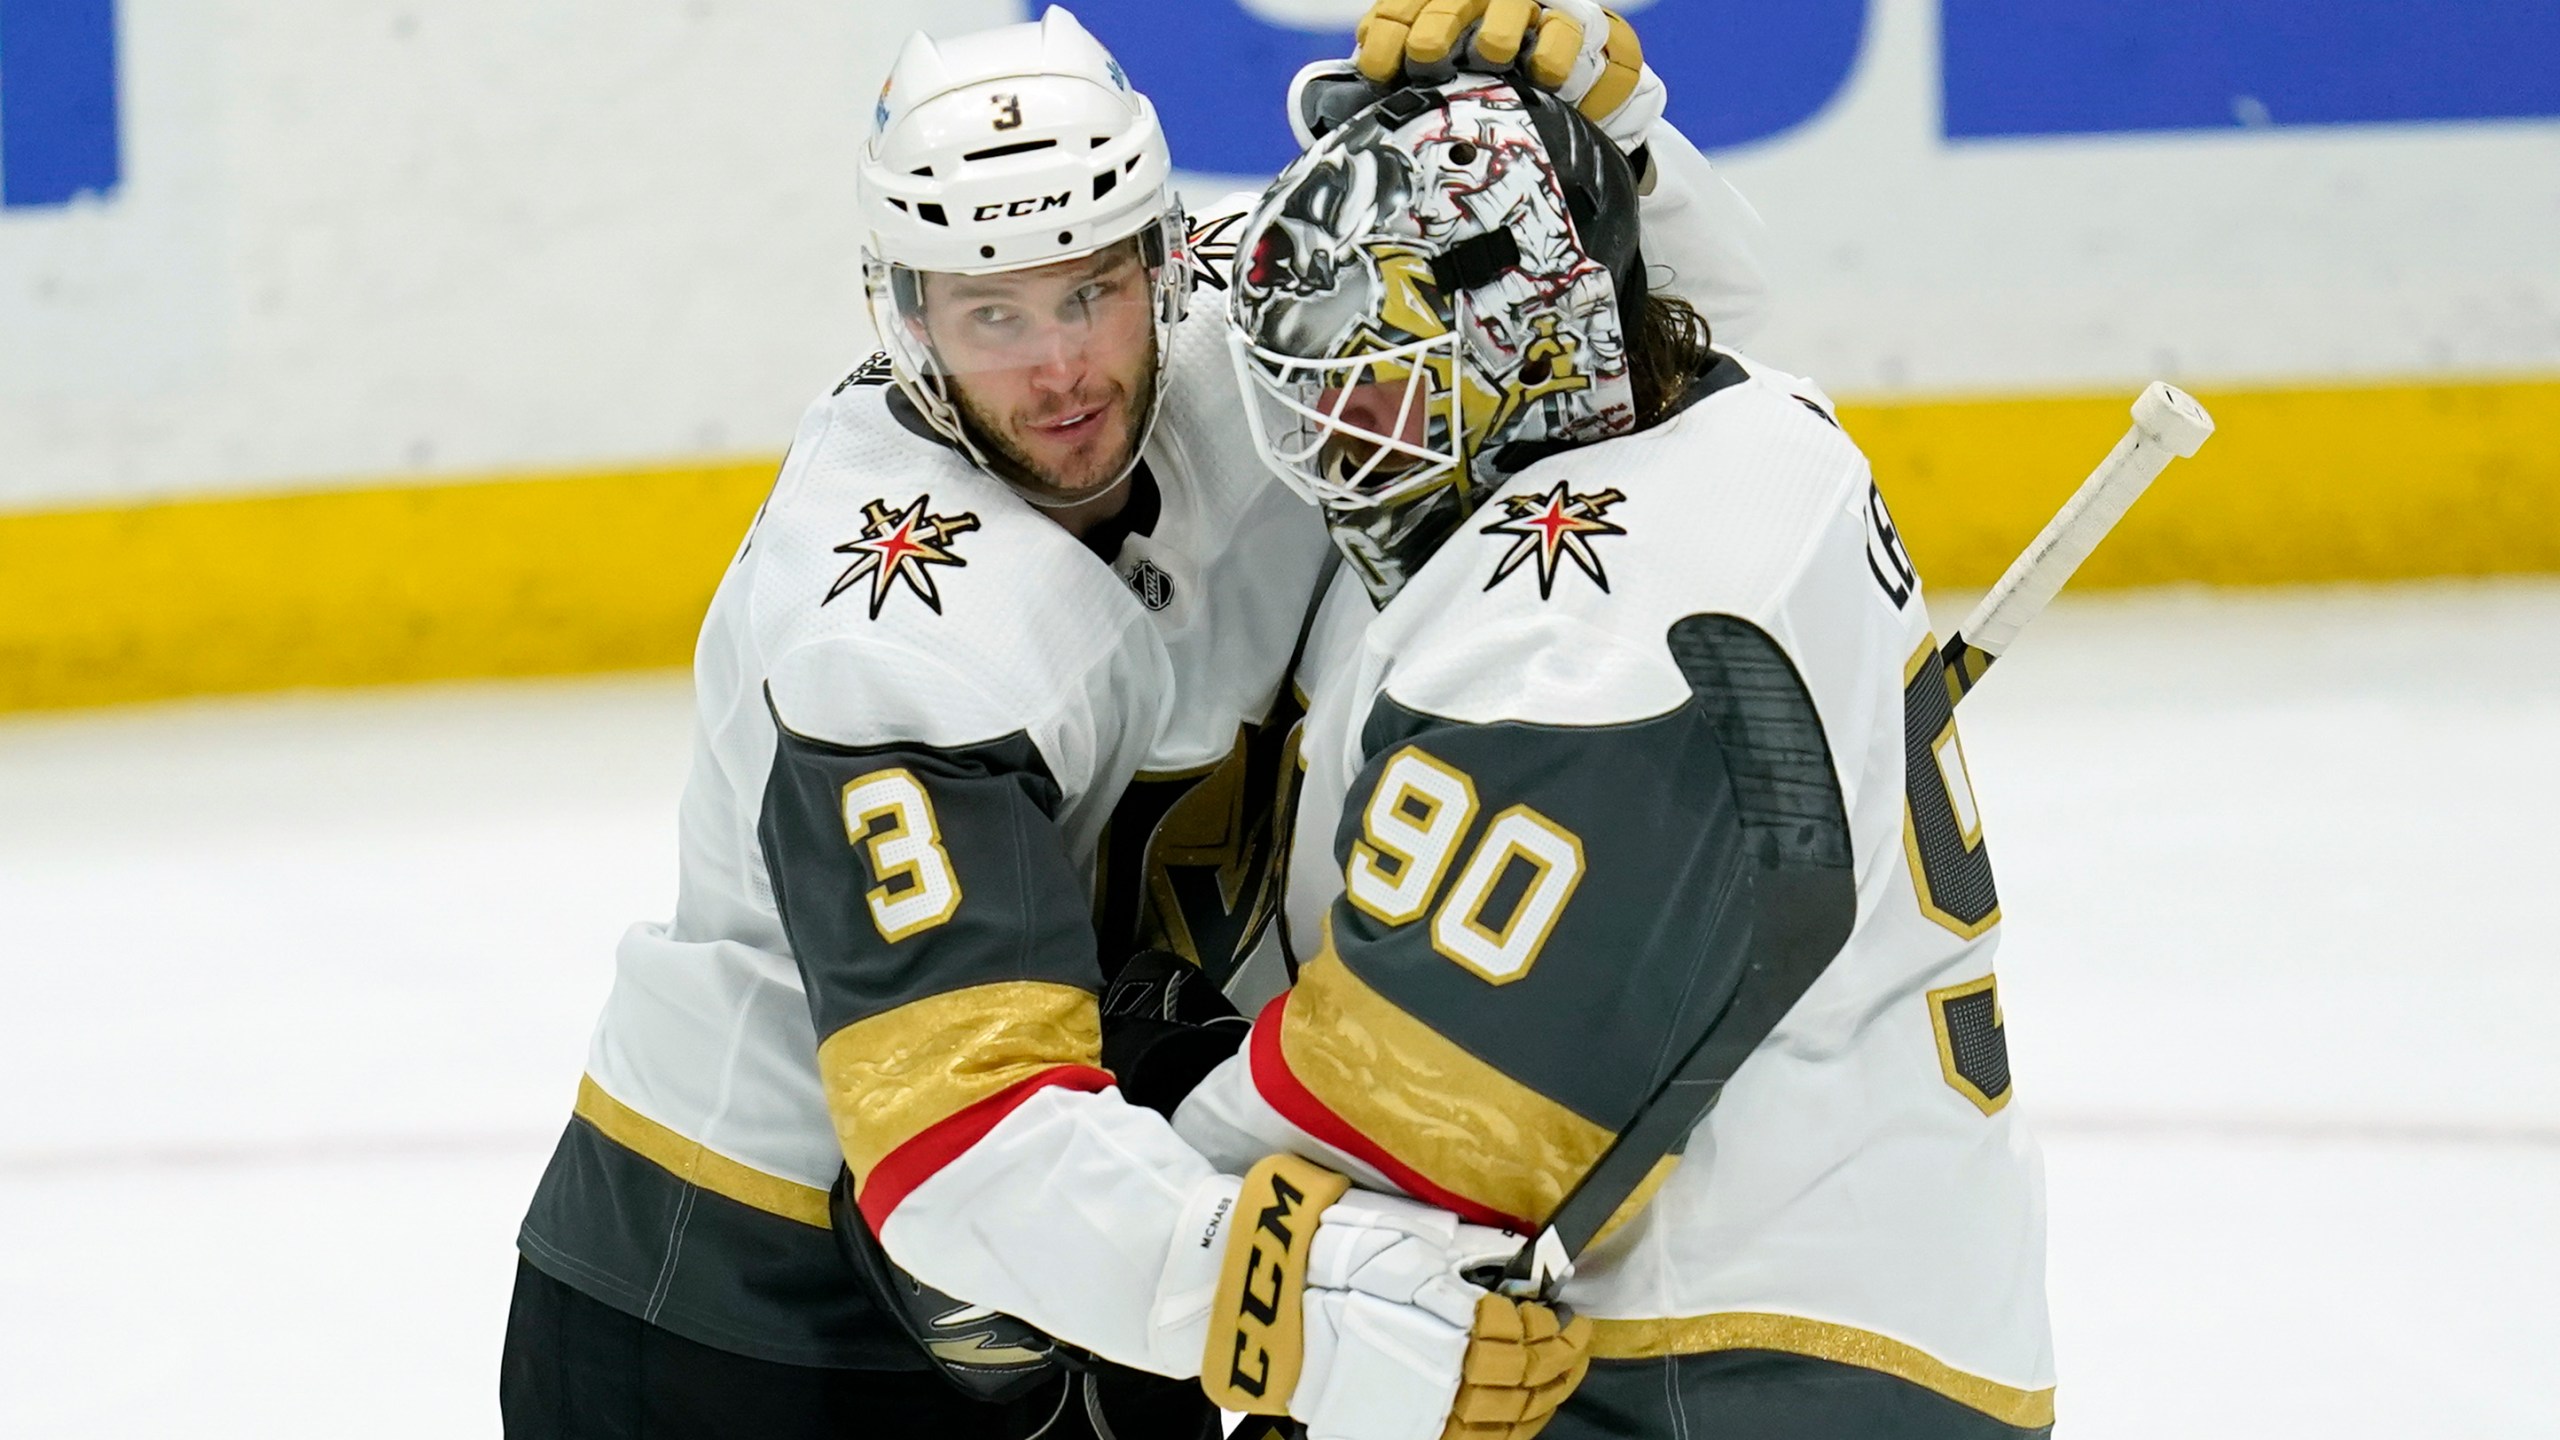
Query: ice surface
294, 994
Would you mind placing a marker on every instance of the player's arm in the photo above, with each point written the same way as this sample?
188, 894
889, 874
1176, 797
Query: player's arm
1701, 237
943, 938
1537, 921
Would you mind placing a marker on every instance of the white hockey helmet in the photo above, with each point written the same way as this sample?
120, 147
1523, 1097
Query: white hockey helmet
1008, 149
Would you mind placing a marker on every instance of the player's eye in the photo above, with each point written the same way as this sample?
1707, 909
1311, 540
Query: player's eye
993, 317
1090, 295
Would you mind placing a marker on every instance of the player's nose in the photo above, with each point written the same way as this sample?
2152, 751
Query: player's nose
1059, 359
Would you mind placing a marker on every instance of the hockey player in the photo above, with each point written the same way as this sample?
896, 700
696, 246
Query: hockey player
1626, 638
984, 702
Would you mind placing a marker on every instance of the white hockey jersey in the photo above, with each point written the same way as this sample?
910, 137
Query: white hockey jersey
920, 702
1531, 782
941, 747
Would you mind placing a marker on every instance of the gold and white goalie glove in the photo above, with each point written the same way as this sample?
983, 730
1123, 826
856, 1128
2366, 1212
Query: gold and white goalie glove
1587, 55
1346, 1310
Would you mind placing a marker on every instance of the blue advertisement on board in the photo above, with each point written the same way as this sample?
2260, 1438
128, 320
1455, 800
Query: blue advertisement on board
1740, 73
59, 126
2011, 69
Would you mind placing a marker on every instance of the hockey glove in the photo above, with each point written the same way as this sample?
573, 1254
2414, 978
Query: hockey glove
1585, 54
1523, 1360
1345, 1309
1165, 1027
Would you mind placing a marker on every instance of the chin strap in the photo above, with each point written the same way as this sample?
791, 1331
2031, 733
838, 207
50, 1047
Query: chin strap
1064, 503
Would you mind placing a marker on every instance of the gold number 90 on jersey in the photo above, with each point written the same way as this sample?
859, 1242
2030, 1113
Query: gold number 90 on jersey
889, 818
1508, 896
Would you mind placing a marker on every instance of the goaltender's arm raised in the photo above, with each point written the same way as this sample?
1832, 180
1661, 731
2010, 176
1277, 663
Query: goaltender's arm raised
1547, 788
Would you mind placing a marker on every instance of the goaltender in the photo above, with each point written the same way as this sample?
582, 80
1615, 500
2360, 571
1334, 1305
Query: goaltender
1625, 711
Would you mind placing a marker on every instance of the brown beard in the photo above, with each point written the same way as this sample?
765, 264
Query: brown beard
1016, 468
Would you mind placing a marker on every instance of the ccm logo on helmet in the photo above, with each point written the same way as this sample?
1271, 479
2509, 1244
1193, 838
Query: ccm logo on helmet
1032, 206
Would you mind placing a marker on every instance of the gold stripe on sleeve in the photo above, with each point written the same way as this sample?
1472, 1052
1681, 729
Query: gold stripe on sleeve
696, 1164
1794, 1335
1440, 1111
895, 1075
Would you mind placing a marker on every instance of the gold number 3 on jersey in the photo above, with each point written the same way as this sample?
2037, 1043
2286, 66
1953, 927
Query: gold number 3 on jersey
916, 888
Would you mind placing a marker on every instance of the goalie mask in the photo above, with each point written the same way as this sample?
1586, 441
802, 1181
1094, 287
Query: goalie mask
1024, 252
1432, 297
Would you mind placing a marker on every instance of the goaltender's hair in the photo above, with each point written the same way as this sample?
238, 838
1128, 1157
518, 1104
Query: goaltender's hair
1666, 350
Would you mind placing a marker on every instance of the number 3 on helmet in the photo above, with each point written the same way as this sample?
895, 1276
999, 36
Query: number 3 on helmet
1008, 149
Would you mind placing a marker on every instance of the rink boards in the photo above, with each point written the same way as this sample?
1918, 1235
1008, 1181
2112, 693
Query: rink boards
610, 569
461, 342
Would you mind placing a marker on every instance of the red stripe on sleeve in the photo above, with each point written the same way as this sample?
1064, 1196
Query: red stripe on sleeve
1299, 1106
910, 1165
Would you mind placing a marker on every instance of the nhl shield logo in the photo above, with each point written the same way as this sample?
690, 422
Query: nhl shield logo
1149, 582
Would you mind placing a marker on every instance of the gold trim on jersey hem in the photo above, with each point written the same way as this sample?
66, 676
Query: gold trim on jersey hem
1454, 1119
1819, 1340
895, 1075
697, 1164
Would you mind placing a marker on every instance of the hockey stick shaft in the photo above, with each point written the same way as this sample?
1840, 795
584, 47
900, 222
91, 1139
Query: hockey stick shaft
2167, 425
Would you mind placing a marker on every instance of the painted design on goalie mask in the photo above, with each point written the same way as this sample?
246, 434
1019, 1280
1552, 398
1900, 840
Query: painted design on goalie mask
1210, 249
1349, 256
1551, 528
896, 547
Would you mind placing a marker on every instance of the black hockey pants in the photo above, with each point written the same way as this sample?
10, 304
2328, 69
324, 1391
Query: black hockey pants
575, 1368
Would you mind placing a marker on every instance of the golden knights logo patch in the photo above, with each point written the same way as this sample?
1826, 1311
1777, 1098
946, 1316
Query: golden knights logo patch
1210, 248
897, 547
1550, 529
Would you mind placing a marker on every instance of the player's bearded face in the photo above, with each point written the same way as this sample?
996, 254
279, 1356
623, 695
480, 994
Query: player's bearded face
1054, 369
